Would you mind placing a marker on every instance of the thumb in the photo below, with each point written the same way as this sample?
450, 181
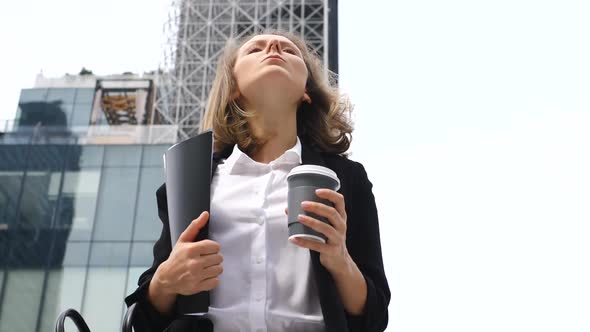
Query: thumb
190, 233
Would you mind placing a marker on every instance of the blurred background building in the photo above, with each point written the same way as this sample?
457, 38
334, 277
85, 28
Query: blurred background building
80, 163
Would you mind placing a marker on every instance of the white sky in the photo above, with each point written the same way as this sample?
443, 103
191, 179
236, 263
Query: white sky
473, 122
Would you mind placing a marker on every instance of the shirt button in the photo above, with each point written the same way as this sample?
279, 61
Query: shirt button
260, 220
259, 260
259, 297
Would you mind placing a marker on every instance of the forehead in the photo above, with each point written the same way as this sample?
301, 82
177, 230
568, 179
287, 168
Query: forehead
265, 38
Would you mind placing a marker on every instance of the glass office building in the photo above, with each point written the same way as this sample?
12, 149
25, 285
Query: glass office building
78, 218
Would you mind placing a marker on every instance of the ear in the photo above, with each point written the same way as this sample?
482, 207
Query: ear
306, 98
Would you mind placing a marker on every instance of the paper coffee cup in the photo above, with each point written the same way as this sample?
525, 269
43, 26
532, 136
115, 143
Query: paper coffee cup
303, 181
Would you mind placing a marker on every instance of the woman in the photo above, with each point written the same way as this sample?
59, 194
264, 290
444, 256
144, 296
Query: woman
271, 108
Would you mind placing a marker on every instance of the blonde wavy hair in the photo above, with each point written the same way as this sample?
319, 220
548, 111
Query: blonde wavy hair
324, 125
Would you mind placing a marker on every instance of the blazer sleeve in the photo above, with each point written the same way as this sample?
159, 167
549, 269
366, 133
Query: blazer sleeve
148, 318
364, 246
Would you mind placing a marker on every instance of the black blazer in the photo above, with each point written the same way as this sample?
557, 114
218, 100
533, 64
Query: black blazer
362, 241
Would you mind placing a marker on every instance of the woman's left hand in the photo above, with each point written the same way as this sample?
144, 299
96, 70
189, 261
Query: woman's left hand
333, 254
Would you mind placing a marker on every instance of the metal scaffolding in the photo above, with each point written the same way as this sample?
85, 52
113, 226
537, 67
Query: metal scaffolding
196, 33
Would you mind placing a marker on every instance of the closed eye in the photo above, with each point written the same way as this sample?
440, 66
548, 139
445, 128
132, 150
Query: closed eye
255, 49
288, 50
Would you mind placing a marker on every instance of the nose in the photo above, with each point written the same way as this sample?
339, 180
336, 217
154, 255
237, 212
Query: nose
274, 43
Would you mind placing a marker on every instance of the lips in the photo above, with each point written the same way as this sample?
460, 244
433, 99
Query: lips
274, 56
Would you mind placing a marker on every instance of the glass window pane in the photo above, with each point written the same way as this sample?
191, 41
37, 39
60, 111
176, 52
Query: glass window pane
84, 96
48, 114
32, 95
13, 157
147, 224
142, 254
29, 248
39, 198
77, 206
67, 109
84, 156
81, 115
10, 187
103, 306
47, 157
133, 278
1, 277
64, 290
109, 254
4, 248
116, 204
126, 155
76, 254
23, 296
65, 95
152, 155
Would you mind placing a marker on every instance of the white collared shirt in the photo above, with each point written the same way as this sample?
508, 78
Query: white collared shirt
268, 282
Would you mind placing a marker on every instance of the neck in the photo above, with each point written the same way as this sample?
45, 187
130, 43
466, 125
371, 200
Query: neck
275, 128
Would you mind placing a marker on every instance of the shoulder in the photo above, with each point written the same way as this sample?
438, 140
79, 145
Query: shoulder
341, 164
351, 173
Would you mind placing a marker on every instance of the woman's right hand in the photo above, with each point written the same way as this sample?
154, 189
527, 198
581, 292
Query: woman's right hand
192, 267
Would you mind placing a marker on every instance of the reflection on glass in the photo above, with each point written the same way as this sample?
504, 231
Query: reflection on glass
103, 305
147, 223
103, 302
125, 155
86, 156
81, 115
108, 266
10, 184
84, 96
141, 254
1, 278
64, 291
65, 95
109, 254
116, 204
152, 156
22, 298
133, 277
76, 254
39, 198
78, 202
29, 95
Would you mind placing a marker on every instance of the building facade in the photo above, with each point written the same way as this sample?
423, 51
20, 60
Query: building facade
79, 169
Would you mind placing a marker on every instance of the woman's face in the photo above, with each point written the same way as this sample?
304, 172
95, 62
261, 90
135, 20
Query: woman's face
268, 62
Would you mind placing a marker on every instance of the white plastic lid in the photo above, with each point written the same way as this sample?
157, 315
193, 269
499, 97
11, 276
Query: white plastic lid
315, 169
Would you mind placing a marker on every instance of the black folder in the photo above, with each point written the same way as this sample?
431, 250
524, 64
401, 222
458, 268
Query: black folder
187, 165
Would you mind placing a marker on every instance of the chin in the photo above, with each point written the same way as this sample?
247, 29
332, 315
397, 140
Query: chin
274, 83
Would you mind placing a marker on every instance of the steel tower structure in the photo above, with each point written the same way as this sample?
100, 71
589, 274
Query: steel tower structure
197, 31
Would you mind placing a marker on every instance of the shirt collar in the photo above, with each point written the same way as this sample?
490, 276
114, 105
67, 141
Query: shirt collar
239, 159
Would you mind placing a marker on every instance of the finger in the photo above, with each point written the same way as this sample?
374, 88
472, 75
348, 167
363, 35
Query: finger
334, 197
212, 271
310, 244
212, 259
326, 211
191, 232
319, 226
209, 284
205, 247
287, 211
